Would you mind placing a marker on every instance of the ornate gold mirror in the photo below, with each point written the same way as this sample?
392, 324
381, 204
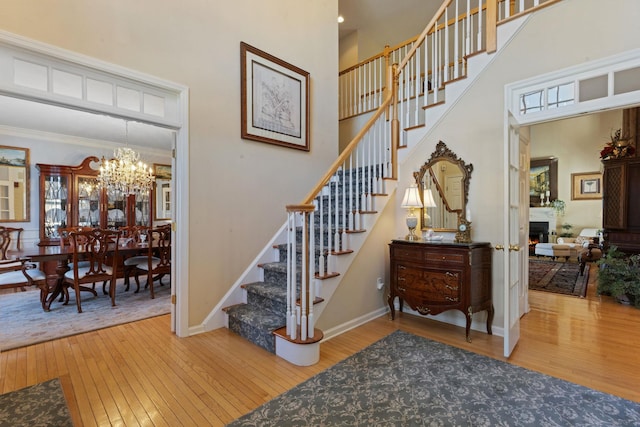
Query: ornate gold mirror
443, 182
14, 184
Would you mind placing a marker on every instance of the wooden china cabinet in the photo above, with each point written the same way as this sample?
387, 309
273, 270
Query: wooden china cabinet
69, 196
620, 207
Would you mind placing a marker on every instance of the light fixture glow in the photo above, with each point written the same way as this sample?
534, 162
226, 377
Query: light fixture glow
340, 19
125, 173
411, 201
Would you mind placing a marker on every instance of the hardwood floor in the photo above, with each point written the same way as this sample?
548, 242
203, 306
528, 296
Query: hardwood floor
141, 374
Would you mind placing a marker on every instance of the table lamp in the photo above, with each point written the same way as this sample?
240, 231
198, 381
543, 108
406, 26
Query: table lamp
429, 202
411, 201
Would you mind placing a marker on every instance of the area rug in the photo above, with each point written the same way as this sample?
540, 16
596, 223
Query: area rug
24, 322
559, 277
38, 405
406, 380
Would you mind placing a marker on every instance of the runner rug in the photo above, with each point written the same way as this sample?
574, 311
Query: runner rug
24, 322
38, 405
558, 277
406, 380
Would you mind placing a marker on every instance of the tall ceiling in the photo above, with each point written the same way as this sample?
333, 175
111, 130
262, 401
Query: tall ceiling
367, 13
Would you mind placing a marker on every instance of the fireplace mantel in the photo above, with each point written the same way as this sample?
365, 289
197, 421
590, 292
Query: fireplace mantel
542, 215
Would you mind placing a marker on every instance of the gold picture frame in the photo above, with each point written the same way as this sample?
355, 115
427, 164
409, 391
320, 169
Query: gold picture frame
275, 100
586, 186
162, 194
15, 187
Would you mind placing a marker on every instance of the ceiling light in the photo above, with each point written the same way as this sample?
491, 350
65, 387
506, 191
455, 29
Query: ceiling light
340, 19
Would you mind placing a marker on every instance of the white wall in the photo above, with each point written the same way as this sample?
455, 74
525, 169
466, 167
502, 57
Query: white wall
238, 188
576, 142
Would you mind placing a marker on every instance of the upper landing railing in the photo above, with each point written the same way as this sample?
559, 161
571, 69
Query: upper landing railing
465, 28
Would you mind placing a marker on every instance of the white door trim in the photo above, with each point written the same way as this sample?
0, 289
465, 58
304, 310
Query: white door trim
176, 118
608, 68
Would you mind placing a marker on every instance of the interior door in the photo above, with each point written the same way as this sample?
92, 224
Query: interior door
523, 226
513, 188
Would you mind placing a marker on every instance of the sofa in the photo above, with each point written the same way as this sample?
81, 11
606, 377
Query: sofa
571, 247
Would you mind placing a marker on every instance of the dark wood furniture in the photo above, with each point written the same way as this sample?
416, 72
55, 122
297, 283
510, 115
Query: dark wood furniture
70, 197
620, 204
61, 257
433, 277
91, 250
158, 262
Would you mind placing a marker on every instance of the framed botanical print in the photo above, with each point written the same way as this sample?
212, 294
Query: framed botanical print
585, 186
275, 100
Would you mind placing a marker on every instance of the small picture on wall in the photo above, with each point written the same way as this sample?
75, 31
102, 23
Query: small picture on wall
586, 186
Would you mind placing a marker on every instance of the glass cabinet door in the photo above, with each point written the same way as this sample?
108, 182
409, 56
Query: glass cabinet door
56, 193
143, 209
88, 202
116, 209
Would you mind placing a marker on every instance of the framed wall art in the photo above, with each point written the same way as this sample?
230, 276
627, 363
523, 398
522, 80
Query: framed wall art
585, 186
275, 100
543, 181
14, 184
162, 192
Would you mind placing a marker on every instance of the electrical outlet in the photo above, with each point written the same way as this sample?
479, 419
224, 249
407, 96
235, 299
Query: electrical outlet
380, 283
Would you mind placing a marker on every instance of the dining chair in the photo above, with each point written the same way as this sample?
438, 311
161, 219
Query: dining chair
65, 242
95, 247
158, 262
19, 273
11, 239
138, 234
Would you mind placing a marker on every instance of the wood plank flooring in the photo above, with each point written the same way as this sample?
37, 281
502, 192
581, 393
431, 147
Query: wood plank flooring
139, 374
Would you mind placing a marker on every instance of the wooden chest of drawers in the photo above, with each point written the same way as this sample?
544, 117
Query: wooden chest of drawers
433, 277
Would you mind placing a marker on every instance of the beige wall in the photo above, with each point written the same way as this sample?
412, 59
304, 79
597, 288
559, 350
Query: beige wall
238, 188
576, 142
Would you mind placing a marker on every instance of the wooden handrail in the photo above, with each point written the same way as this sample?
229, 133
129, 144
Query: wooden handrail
349, 149
423, 35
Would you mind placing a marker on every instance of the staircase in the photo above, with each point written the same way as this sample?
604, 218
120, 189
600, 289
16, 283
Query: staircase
266, 305
263, 315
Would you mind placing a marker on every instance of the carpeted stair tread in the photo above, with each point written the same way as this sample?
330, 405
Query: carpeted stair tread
268, 290
256, 324
258, 316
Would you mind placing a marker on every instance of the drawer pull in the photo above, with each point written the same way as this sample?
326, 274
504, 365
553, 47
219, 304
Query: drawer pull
423, 310
401, 279
448, 273
401, 289
451, 288
402, 267
451, 299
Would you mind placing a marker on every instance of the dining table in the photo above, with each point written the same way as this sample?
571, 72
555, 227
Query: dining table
63, 255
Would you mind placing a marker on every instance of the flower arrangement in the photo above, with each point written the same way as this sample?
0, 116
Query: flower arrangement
618, 147
559, 206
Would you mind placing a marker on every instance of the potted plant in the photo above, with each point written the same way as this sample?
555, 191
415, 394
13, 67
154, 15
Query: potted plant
566, 230
619, 276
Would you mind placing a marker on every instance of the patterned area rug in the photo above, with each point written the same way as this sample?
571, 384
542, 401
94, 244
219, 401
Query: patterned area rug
406, 380
38, 405
24, 322
559, 277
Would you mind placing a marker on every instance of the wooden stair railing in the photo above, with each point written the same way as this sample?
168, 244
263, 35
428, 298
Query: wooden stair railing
333, 208
463, 29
